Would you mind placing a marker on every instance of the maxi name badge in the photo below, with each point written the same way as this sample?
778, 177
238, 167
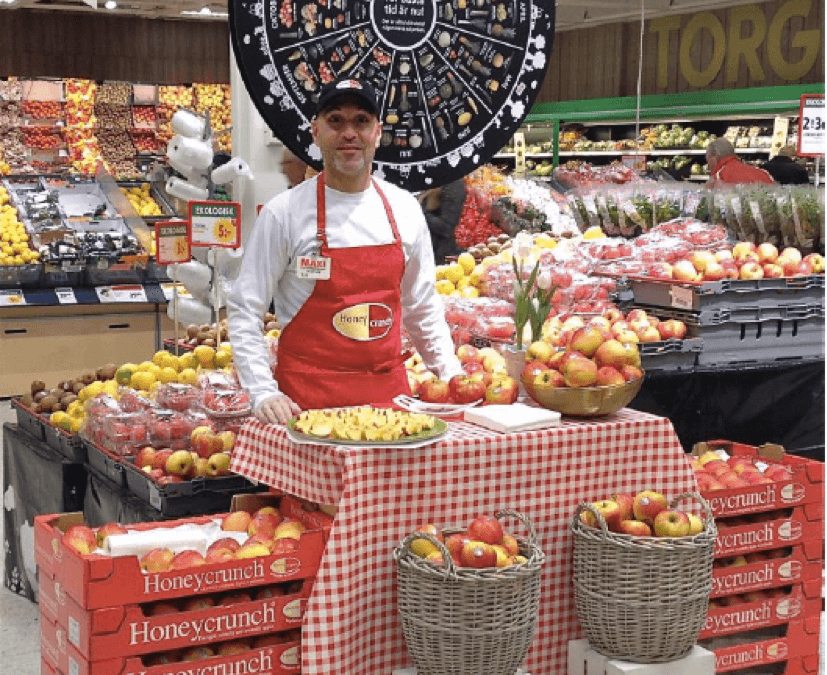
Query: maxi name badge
215, 224
172, 242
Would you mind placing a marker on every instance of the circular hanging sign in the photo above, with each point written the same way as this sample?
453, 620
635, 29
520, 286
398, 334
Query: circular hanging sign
455, 78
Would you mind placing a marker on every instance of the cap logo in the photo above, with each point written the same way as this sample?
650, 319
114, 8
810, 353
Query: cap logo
349, 84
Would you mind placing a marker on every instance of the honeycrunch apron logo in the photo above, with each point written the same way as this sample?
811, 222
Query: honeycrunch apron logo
260, 662
214, 211
365, 322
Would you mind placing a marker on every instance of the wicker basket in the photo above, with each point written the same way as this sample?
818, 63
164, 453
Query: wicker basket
462, 621
642, 599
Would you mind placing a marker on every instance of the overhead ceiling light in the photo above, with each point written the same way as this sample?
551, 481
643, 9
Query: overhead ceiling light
205, 11
110, 4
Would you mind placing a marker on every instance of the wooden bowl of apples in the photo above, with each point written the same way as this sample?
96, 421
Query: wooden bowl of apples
583, 401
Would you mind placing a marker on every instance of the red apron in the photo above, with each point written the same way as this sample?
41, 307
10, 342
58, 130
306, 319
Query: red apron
344, 346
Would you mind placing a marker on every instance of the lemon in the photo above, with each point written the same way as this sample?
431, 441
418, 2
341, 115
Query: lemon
124, 374
462, 283
454, 273
95, 388
225, 347
169, 361
440, 272
73, 425
167, 375
57, 417
186, 361
455, 294
223, 359
188, 376
467, 262
545, 241
142, 380
158, 357
273, 333
205, 356
444, 287
146, 366
475, 277
593, 233
470, 292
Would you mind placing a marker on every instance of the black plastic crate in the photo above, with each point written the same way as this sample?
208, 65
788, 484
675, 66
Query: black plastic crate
670, 355
105, 463
60, 277
21, 276
102, 274
741, 312
33, 423
69, 445
194, 497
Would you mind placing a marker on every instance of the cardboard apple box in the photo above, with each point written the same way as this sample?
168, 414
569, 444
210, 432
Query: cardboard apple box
806, 522
46, 668
801, 640
97, 581
802, 602
803, 564
293, 507
803, 665
806, 484
282, 659
101, 634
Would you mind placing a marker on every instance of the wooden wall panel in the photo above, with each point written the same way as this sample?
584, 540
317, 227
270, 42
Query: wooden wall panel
602, 62
58, 44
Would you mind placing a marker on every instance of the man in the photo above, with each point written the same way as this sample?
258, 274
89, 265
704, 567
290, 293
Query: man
345, 258
785, 170
442, 207
726, 169
292, 167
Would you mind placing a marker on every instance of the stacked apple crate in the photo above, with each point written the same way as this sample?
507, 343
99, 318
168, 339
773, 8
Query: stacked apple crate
742, 321
765, 608
104, 615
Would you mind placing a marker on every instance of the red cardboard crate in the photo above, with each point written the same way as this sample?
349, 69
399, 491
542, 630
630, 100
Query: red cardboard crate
46, 669
293, 507
806, 522
803, 564
127, 631
804, 665
805, 486
53, 645
97, 581
800, 640
282, 659
50, 597
803, 601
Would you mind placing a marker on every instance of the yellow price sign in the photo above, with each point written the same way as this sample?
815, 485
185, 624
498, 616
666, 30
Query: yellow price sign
172, 242
215, 223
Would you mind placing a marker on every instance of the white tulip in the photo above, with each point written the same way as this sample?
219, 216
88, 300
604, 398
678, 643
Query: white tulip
544, 280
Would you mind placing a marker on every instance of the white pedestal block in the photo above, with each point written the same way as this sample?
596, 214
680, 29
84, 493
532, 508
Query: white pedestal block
412, 671
583, 660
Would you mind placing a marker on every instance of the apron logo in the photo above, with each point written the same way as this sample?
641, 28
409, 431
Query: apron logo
369, 321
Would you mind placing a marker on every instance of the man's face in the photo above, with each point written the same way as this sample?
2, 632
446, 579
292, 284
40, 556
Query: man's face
347, 136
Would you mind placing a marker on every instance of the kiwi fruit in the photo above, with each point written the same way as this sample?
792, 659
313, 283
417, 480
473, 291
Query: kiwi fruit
37, 385
88, 378
67, 400
61, 385
225, 334
206, 327
38, 396
57, 392
209, 342
192, 330
494, 247
502, 238
36, 408
48, 403
26, 400
78, 386
202, 335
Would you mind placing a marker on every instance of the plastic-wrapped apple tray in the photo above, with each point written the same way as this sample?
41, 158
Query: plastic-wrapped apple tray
726, 293
190, 498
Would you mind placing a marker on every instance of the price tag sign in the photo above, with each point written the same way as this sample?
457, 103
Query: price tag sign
812, 126
172, 242
126, 293
12, 297
66, 296
682, 298
215, 224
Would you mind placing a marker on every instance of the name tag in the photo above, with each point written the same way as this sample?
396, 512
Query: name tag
312, 267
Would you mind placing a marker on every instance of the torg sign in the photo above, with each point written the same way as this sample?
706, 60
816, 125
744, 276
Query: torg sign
456, 79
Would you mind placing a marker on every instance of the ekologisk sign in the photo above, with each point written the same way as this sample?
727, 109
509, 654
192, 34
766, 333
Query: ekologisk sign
456, 78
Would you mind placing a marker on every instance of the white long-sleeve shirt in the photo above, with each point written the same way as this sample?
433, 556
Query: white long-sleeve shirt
286, 229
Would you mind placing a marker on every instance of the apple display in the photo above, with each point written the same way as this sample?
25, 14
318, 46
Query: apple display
179, 463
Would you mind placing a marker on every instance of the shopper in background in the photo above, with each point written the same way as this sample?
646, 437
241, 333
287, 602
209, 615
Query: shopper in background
726, 169
442, 207
293, 168
346, 259
784, 169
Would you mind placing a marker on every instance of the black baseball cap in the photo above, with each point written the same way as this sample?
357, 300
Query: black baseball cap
361, 91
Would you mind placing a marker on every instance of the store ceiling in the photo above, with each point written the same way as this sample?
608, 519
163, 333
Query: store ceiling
571, 14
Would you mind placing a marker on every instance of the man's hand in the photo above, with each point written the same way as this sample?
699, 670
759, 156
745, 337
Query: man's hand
277, 410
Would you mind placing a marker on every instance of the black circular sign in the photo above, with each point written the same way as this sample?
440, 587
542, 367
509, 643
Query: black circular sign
456, 78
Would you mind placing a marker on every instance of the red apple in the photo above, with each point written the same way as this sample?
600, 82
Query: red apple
816, 262
751, 270
486, 529
468, 354
265, 523
772, 271
607, 376
478, 554
237, 521
702, 259
684, 270
647, 504
742, 249
649, 334
586, 340
767, 253
505, 391
531, 370
635, 528
159, 461
144, 456
549, 378
454, 544
609, 509
714, 271
625, 502
185, 559
465, 389
156, 560
610, 353
511, 545
434, 391
669, 523
483, 376
81, 539
580, 372
791, 253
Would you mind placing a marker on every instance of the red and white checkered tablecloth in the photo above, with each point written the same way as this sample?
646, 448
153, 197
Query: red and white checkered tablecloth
351, 625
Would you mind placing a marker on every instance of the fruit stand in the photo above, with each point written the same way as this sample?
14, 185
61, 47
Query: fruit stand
384, 493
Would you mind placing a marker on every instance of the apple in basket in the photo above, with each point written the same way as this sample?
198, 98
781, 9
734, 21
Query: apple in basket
671, 523
648, 504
